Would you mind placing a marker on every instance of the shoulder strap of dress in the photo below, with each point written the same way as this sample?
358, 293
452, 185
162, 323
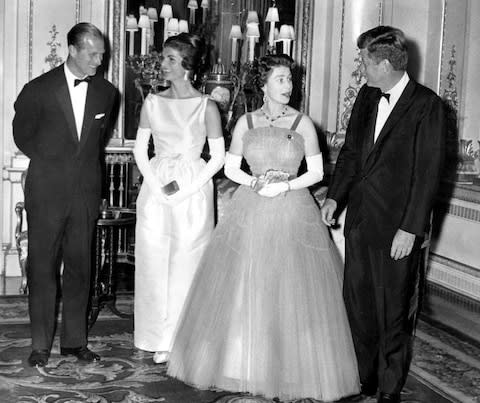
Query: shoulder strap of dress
249, 121
297, 121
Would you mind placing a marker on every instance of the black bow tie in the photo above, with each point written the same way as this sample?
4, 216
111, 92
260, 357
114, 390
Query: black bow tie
77, 81
387, 96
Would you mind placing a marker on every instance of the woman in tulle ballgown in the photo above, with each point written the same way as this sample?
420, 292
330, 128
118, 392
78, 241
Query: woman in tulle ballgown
265, 313
175, 208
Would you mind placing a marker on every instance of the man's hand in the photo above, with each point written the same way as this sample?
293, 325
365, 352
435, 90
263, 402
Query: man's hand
328, 209
402, 244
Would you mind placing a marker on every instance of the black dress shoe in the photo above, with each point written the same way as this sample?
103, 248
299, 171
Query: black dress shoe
389, 398
38, 358
368, 390
82, 353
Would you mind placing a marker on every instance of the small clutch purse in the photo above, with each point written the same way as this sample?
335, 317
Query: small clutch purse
270, 176
275, 176
170, 188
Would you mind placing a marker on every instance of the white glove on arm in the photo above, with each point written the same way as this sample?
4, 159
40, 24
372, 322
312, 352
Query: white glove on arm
313, 175
233, 171
140, 152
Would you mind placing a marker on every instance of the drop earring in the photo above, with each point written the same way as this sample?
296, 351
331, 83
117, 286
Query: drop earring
186, 75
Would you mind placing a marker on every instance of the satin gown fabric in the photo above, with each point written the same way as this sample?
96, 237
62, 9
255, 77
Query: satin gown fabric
169, 241
265, 313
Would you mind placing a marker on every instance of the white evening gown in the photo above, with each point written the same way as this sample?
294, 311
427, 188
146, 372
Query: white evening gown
169, 241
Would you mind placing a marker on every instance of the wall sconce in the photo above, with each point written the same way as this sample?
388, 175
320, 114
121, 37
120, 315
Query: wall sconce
166, 13
131, 26
172, 27
192, 5
144, 24
183, 26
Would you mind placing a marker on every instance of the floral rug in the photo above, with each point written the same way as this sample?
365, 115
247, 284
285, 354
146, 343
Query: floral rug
445, 369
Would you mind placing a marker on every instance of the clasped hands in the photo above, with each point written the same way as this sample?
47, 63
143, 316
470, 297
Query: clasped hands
272, 183
273, 189
175, 198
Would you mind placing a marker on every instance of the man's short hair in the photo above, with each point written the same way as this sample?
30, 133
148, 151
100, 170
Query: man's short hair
384, 42
79, 31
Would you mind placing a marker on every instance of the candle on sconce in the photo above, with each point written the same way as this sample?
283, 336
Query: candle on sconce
252, 16
172, 28
205, 7
253, 33
144, 24
166, 13
192, 5
285, 37
153, 17
235, 35
131, 26
183, 26
272, 18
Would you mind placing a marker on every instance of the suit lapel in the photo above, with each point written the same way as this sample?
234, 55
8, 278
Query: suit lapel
370, 118
91, 107
397, 113
63, 97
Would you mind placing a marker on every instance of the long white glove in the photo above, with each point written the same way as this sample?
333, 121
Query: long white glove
217, 158
140, 152
313, 175
234, 172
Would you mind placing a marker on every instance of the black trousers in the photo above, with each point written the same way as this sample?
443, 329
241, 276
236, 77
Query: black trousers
65, 235
380, 297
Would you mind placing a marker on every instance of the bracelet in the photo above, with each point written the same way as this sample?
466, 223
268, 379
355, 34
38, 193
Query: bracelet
253, 182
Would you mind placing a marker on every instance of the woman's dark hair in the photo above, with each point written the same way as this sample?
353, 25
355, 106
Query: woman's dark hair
385, 42
268, 62
78, 32
190, 48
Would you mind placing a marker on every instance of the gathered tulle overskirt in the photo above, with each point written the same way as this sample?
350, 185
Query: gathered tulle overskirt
265, 312
169, 243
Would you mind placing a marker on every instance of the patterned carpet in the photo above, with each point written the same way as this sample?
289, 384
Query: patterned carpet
445, 369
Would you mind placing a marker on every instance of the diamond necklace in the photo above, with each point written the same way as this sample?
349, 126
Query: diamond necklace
272, 119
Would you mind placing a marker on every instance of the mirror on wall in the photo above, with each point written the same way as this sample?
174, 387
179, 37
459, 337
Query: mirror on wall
149, 22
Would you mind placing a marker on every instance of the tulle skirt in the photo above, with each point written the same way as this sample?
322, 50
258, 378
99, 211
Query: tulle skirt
265, 312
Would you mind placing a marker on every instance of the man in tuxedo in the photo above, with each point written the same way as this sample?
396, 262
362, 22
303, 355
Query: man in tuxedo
60, 123
387, 173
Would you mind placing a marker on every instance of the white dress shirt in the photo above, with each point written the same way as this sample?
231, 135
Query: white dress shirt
78, 96
385, 107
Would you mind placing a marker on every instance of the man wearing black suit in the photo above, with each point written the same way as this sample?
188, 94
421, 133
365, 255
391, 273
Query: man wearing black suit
387, 172
60, 123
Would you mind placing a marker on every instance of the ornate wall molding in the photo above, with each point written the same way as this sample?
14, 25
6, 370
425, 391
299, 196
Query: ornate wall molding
340, 61
304, 24
350, 95
30, 40
116, 73
460, 267
77, 11
455, 276
52, 58
459, 211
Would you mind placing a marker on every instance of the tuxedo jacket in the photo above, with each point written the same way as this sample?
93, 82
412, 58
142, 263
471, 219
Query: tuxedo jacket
61, 165
391, 184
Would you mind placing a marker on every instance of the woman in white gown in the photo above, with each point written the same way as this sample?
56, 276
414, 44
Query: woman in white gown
173, 229
265, 312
